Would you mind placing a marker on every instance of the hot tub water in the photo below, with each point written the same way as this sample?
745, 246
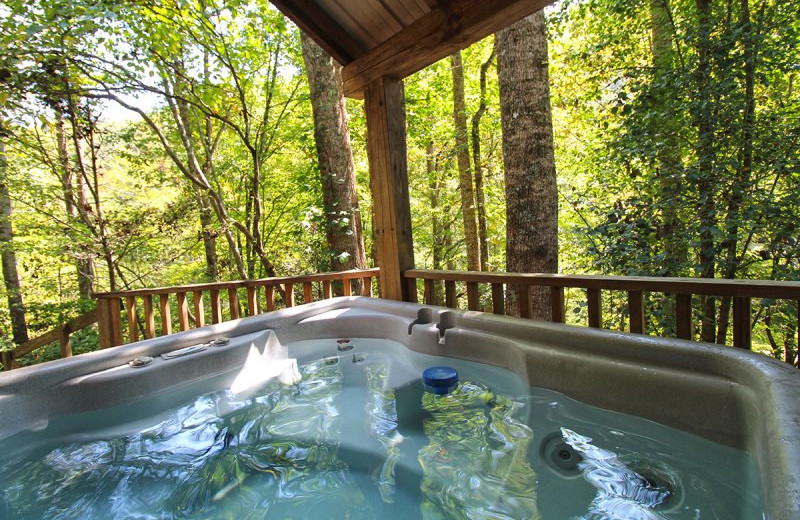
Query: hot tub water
357, 437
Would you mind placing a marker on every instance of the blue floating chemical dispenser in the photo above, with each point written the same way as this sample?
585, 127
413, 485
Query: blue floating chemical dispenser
440, 380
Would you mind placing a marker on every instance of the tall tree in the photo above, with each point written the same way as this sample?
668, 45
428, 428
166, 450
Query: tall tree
528, 155
477, 161
465, 183
705, 168
16, 307
336, 168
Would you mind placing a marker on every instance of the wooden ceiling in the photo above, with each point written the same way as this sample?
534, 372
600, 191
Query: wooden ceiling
395, 38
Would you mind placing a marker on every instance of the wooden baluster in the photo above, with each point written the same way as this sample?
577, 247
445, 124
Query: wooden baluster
525, 301
450, 294
269, 290
411, 290
233, 303
498, 299
683, 316
594, 308
308, 293
149, 318
130, 304
8, 360
557, 304
289, 290
429, 291
742, 322
64, 342
347, 289
199, 309
636, 311
109, 322
327, 294
115, 312
473, 296
216, 306
183, 311
252, 301
166, 315
367, 287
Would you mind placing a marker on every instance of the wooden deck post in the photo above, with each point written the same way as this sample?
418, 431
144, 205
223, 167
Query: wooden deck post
384, 103
108, 322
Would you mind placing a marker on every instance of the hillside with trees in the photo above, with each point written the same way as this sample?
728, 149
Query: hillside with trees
147, 144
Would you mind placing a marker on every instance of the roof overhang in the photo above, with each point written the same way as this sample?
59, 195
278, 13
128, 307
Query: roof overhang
396, 38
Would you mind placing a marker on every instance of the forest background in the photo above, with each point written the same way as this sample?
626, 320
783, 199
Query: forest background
153, 144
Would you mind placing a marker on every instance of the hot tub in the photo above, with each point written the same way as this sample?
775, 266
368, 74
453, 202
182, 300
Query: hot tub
352, 367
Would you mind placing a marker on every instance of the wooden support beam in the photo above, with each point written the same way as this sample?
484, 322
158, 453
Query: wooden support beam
347, 288
557, 304
742, 322
386, 148
166, 316
327, 293
450, 26
308, 292
594, 308
367, 287
683, 316
636, 311
411, 290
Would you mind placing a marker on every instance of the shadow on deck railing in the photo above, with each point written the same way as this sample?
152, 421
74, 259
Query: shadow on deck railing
740, 291
211, 303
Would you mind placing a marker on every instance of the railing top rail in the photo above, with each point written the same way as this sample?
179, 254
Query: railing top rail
706, 286
75, 324
340, 275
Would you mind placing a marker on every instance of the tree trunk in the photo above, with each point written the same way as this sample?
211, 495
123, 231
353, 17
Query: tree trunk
84, 265
528, 155
705, 165
668, 161
337, 170
464, 172
16, 307
477, 162
744, 173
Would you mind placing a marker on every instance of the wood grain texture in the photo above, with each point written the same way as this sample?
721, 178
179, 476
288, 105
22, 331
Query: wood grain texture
636, 311
183, 311
166, 316
448, 27
149, 318
742, 323
323, 28
594, 308
386, 147
130, 307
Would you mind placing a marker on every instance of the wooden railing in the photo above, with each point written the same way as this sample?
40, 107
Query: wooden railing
60, 334
223, 300
741, 292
